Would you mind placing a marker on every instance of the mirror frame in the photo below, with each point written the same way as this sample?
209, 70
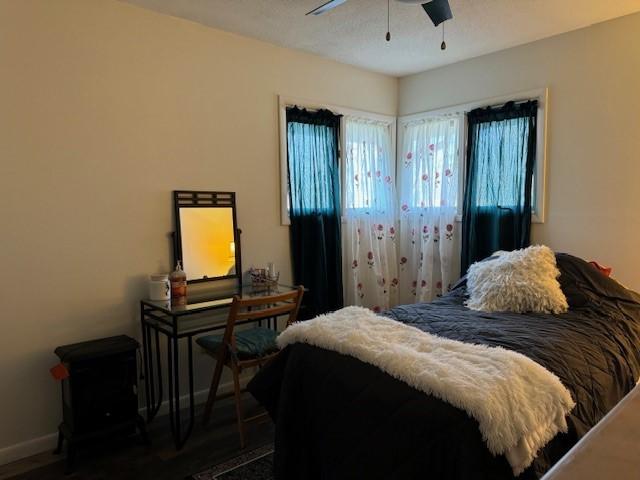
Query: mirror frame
204, 199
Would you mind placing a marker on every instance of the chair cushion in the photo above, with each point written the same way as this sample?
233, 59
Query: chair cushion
250, 343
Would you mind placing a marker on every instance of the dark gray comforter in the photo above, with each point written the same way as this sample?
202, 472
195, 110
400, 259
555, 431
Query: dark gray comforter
339, 418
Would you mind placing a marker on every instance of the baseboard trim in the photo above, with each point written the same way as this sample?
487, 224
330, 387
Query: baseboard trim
25, 449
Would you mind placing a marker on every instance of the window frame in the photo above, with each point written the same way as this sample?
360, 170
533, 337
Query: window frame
540, 173
285, 102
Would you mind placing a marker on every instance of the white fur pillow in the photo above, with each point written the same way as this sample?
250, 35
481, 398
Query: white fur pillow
519, 281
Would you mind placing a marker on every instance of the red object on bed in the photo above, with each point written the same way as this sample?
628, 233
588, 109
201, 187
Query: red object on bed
606, 271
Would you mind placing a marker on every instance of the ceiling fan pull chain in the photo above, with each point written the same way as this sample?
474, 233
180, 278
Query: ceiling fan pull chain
443, 45
388, 20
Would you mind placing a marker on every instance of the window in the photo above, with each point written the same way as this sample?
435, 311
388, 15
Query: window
430, 163
417, 125
386, 132
504, 146
369, 166
424, 196
501, 156
313, 164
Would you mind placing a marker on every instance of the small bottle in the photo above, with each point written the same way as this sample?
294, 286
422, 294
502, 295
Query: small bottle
271, 271
178, 283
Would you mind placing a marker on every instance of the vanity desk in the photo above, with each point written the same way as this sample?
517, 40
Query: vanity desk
179, 324
207, 243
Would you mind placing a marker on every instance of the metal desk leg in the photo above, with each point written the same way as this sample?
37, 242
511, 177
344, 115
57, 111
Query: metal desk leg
173, 354
152, 375
159, 363
192, 407
145, 355
152, 402
171, 379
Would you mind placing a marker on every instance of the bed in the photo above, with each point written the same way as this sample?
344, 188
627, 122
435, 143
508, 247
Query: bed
339, 418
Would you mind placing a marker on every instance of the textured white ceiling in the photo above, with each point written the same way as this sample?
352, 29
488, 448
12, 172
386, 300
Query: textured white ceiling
354, 32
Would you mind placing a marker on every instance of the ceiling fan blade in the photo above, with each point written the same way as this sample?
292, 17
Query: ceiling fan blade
438, 11
326, 7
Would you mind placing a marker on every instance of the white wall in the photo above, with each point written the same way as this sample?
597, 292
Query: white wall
106, 108
593, 75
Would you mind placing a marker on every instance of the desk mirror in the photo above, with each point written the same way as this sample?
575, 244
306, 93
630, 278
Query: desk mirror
207, 236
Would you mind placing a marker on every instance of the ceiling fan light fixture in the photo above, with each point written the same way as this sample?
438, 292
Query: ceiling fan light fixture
438, 10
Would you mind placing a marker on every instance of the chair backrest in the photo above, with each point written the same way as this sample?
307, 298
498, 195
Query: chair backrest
263, 307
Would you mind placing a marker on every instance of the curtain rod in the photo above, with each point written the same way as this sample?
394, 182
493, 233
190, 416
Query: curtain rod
308, 109
499, 105
362, 116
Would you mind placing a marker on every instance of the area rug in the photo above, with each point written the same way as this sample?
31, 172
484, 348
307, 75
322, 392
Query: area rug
254, 465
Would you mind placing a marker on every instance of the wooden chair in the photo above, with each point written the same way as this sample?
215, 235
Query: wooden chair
247, 348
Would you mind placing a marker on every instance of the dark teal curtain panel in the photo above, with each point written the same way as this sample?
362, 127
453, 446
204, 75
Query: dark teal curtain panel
501, 153
314, 207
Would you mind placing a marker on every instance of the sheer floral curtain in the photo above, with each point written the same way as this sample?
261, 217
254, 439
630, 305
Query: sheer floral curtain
428, 173
370, 229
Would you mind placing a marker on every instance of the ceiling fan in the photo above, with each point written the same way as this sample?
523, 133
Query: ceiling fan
438, 10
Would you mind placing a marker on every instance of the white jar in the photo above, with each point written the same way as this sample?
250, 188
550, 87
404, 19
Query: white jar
159, 287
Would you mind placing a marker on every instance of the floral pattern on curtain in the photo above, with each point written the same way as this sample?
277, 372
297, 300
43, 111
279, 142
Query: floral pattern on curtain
428, 175
370, 228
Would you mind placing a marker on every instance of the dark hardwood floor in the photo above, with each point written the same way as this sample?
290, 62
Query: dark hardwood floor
129, 458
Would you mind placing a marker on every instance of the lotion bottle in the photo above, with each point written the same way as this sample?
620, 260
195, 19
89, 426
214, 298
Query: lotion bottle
178, 283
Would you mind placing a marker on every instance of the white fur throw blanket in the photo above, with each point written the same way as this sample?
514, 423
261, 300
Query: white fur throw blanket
518, 404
